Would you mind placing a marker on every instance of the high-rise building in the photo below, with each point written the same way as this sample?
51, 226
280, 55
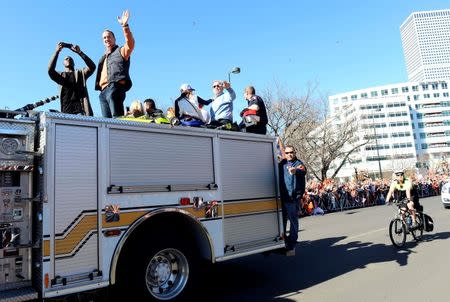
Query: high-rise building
426, 45
405, 125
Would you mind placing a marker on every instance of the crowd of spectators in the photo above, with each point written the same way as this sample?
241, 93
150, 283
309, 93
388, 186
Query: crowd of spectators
332, 195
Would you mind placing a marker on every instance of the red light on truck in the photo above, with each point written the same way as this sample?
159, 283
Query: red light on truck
46, 281
112, 233
185, 201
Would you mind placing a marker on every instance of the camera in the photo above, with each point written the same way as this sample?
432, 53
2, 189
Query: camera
68, 45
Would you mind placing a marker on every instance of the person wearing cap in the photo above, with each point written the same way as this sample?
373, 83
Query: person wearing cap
403, 186
221, 109
73, 92
187, 93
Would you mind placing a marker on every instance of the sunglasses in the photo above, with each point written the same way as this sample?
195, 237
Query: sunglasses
399, 174
290, 152
216, 86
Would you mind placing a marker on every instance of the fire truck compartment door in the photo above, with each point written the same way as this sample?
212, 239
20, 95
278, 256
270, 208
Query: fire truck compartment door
75, 195
251, 214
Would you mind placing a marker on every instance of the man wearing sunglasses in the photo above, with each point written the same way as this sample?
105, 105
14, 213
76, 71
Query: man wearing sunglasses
403, 186
221, 110
292, 181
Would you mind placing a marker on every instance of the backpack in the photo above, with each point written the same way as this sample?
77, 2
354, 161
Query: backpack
428, 222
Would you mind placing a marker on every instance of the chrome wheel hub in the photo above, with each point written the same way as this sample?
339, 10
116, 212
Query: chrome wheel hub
167, 274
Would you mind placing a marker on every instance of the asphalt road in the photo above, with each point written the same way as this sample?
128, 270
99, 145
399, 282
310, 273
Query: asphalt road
345, 256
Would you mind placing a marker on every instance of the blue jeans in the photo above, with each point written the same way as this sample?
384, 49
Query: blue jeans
290, 213
111, 100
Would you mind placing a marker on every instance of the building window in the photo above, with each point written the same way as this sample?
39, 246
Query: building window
384, 92
344, 99
445, 94
405, 89
394, 90
415, 88
374, 93
444, 85
419, 115
424, 146
354, 97
420, 125
364, 95
435, 95
416, 97
426, 96
424, 87
434, 86
422, 135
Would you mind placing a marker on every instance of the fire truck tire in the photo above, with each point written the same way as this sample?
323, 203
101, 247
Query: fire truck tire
166, 271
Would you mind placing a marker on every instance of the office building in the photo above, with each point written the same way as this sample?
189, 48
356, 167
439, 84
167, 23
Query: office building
426, 45
406, 125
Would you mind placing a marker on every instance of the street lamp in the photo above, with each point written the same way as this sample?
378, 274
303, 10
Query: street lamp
235, 70
376, 143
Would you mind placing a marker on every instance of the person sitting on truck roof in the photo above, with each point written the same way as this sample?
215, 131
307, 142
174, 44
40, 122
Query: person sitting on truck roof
254, 116
154, 114
197, 112
136, 109
136, 113
150, 108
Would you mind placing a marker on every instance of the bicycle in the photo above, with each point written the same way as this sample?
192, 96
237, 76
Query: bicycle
400, 225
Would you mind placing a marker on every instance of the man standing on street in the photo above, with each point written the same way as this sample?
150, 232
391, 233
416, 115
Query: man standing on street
113, 78
292, 174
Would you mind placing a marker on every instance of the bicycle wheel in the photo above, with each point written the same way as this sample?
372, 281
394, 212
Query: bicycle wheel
397, 232
417, 233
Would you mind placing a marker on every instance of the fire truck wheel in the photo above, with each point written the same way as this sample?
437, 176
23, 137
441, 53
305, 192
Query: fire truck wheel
166, 272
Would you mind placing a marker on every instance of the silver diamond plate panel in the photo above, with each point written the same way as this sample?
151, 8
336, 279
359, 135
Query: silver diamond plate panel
23, 130
19, 295
112, 121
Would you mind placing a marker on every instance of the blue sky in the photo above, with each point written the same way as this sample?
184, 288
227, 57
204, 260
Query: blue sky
341, 45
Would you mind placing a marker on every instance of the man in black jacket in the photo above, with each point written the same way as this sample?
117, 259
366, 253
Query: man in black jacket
73, 95
292, 174
255, 103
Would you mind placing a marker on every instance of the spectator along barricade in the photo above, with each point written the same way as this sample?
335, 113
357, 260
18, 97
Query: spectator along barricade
332, 196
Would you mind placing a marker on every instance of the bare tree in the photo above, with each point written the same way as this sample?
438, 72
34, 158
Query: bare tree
331, 144
289, 115
321, 140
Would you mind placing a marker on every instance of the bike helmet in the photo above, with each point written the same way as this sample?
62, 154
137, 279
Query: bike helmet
399, 172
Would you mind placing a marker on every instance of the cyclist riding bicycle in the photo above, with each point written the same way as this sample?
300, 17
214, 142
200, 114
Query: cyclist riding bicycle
404, 186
